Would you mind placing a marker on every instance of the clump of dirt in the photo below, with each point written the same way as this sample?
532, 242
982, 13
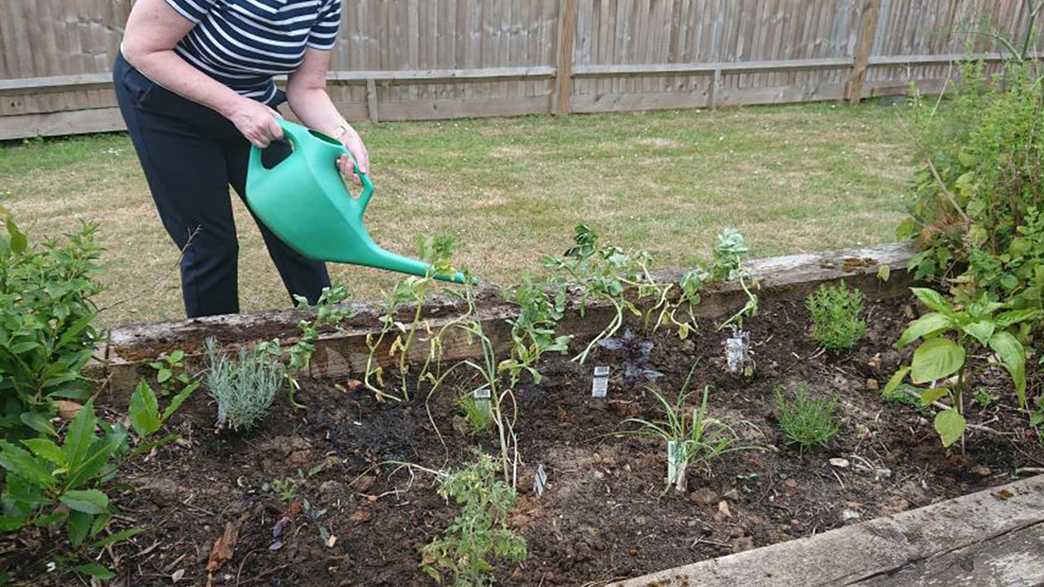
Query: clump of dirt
322, 496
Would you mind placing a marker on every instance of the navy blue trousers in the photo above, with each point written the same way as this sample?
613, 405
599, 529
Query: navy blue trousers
191, 155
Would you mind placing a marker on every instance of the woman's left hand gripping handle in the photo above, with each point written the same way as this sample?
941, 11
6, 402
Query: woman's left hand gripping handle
257, 122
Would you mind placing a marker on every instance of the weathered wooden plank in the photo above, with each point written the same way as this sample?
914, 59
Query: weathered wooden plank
565, 46
60, 123
343, 354
709, 68
933, 545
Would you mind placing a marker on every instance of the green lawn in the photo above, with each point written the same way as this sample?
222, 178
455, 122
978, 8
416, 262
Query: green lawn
792, 178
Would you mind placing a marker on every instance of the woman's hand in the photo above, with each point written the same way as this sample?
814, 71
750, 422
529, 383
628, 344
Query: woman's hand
353, 142
257, 122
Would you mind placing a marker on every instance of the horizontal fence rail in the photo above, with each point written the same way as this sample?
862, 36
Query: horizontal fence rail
431, 59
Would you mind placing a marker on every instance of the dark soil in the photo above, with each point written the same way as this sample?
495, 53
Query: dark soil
605, 513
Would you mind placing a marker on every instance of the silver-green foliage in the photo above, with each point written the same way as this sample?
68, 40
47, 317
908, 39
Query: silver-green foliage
243, 387
807, 421
836, 321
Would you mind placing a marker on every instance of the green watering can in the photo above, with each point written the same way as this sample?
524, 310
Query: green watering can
302, 198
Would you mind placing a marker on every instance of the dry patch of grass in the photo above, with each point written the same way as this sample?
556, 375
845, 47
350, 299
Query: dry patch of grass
793, 178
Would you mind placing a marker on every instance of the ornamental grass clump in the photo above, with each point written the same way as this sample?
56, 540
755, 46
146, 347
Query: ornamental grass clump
807, 421
243, 388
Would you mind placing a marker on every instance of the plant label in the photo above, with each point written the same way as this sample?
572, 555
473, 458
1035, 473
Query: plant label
540, 481
672, 461
482, 393
600, 383
737, 351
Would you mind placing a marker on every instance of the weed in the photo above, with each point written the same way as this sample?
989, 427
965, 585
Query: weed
243, 388
479, 532
285, 489
835, 312
983, 398
691, 435
807, 421
170, 372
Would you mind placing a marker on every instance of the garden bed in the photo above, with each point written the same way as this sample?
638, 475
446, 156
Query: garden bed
320, 497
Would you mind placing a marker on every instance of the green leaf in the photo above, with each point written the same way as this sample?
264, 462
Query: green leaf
1012, 317
117, 537
144, 410
20, 463
177, 400
930, 396
176, 356
80, 435
164, 375
981, 331
38, 422
78, 526
11, 523
96, 461
88, 501
884, 272
932, 299
950, 426
936, 359
97, 571
894, 382
18, 241
924, 326
1011, 353
48, 450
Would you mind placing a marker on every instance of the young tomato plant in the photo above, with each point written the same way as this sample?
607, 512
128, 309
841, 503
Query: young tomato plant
329, 311
946, 335
533, 331
479, 532
438, 252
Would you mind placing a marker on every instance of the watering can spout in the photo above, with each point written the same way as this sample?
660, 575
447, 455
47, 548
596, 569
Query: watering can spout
302, 198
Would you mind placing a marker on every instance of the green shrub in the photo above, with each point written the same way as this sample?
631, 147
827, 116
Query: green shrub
479, 532
977, 212
835, 313
46, 331
807, 421
243, 388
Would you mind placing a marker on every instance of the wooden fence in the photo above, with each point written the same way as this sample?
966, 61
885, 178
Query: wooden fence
426, 59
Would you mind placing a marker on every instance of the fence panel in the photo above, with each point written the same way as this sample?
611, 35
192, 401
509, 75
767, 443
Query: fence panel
424, 59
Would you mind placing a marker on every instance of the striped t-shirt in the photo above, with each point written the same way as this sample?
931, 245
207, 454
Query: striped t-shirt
244, 43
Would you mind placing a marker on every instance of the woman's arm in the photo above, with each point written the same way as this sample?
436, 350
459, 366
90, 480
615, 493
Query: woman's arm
153, 30
306, 92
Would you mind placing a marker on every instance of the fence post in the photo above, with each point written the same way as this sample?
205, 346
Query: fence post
563, 94
371, 101
864, 45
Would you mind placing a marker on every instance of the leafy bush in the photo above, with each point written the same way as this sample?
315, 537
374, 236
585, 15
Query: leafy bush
479, 532
807, 421
55, 487
939, 358
977, 210
835, 313
243, 388
46, 335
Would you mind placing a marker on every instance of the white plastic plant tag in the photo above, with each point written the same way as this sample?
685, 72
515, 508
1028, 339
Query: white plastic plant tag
672, 461
481, 394
737, 351
540, 481
600, 383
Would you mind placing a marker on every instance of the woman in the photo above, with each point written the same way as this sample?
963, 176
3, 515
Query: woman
194, 84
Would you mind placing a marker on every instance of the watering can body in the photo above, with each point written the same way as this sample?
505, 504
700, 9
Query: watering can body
304, 201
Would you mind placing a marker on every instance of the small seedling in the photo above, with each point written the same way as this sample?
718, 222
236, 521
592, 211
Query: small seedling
285, 489
807, 421
691, 435
243, 388
835, 313
637, 352
476, 412
171, 373
479, 532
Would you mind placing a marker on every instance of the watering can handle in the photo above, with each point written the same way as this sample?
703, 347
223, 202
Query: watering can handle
290, 131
